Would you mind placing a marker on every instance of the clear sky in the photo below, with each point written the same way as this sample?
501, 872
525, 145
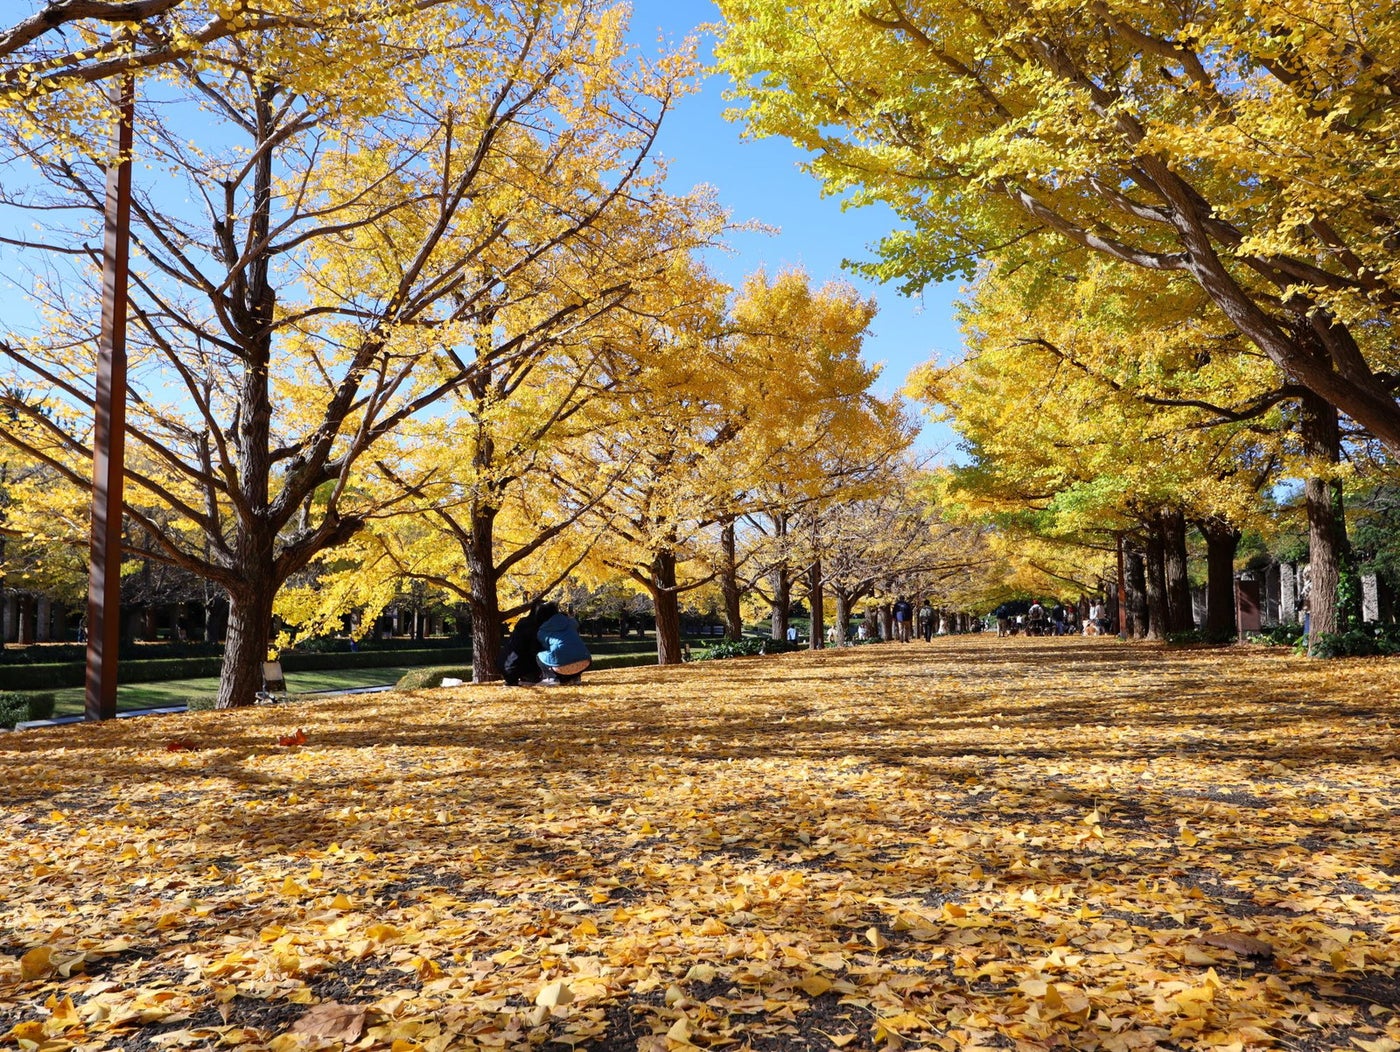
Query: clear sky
761, 180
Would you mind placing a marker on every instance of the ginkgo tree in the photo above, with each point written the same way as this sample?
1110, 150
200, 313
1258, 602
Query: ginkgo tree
305, 263
1094, 406
1244, 145
814, 434
483, 512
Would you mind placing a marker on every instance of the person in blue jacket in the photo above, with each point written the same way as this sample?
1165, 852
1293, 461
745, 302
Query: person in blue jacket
545, 647
563, 656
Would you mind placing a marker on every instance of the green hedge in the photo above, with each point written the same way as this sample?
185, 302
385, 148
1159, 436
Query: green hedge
73, 674
16, 707
748, 647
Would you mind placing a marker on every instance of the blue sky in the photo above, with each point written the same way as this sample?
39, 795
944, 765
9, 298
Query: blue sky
761, 180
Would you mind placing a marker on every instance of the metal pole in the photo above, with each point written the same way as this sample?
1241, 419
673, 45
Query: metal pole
109, 426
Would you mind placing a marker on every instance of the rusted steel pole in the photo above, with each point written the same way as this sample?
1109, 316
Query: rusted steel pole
109, 426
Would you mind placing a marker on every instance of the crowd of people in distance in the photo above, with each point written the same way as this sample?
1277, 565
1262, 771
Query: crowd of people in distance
1061, 619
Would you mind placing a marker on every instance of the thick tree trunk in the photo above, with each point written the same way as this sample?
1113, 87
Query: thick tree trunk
668, 609
843, 615
782, 600
1156, 583
1222, 541
485, 602
816, 599
1179, 615
245, 648
1135, 584
26, 620
1326, 525
729, 584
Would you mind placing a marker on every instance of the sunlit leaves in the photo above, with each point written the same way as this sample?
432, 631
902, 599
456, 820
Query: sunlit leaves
950, 846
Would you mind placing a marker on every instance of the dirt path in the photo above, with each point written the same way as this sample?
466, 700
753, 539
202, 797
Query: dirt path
974, 843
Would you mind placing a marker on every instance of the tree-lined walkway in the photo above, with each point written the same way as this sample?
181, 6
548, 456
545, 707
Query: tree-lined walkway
976, 843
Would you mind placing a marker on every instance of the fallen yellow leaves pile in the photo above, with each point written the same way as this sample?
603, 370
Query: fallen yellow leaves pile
972, 844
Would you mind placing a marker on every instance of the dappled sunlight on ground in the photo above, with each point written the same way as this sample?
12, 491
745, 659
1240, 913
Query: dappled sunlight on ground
972, 843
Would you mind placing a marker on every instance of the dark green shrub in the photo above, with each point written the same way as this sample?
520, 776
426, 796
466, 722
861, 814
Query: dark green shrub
1369, 640
201, 702
749, 646
1278, 635
16, 707
1355, 643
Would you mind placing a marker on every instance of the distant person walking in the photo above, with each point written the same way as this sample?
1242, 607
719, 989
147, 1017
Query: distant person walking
903, 619
926, 620
1035, 619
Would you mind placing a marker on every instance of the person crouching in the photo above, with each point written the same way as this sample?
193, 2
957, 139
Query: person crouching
565, 657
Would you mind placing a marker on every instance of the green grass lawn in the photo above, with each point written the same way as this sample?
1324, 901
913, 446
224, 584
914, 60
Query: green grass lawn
131, 696
134, 696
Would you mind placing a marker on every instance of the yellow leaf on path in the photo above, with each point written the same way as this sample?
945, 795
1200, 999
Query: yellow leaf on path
815, 985
713, 927
700, 973
554, 995
62, 1014
31, 1030
1187, 837
680, 1032
1380, 1044
333, 1021
37, 963
875, 939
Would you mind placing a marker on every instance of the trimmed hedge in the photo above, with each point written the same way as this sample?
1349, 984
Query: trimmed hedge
16, 707
72, 674
748, 647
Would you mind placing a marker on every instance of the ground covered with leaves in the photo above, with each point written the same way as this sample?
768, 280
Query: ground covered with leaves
975, 843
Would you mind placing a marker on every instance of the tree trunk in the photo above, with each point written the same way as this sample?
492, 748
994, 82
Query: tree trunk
816, 599
1156, 583
1135, 582
1322, 442
886, 622
245, 649
1222, 541
1180, 617
26, 620
843, 615
485, 602
782, 600
729, 584
668, 609
254, 563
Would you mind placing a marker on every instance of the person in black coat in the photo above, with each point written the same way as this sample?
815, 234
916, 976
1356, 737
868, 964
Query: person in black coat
518, 664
